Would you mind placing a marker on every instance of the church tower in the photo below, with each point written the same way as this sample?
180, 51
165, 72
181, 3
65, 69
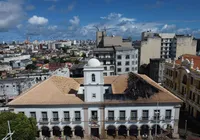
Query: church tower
93, 81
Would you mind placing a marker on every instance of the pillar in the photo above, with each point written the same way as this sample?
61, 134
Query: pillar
176, 121
149, 131
40, 134
51, 133
105, 133
116, 132
86, 121
139, 133
73, 134
62, 133
128, 133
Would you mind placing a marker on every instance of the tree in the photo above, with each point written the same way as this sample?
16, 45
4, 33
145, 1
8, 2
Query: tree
46, 61
31, 67
25, 128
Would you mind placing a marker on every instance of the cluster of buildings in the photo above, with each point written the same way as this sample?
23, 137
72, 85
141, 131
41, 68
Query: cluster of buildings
113, 87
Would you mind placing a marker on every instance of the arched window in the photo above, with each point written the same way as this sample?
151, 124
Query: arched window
184, 79
93, 77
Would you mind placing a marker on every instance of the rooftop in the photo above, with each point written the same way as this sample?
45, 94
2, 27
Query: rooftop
196, 59
63, 91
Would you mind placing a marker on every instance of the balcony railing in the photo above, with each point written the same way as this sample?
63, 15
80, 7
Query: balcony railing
156, 118
121, 119
66, 120
110, 119
167, 118
55, 120
44, 120
133, 119
144, 119
77, 120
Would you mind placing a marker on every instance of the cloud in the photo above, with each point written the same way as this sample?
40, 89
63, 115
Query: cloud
30, 7
52, 27
35, 20
168, 28
52, 8
11, 14
19, 26
112, 16
75, 20
71, 6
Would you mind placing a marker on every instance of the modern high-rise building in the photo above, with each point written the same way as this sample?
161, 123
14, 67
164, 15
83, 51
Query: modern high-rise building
165, 45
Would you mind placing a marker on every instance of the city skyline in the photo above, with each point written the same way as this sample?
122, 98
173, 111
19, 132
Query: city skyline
75, 19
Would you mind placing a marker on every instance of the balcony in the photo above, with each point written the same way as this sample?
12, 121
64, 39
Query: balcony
77, 120
156, 119
44, 121
167, 118
94, 120
121, 119
54, 120
110, 119
144, 119
66, 120
133, 119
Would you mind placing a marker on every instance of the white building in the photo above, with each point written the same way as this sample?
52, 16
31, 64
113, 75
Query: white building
99, 106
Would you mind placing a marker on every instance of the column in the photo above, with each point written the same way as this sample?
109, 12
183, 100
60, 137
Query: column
73, 134
62, 133
40, 134
116, 132
105, 133
128, 133
139, 132
149, 131
86, 121
102, 123
51, 133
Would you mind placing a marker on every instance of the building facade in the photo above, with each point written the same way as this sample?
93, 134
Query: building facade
182, 79
117, 60
156, 69
165, 45
100, 106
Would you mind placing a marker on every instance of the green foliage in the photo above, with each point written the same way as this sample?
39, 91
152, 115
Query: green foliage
46, 61
25, 128
31, 67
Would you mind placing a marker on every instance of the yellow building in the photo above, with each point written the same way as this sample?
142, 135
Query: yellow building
182, 77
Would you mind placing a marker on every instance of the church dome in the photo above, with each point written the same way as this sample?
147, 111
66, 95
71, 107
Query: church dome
94, 62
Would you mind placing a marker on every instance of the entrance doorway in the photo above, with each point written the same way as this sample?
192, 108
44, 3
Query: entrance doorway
95, 132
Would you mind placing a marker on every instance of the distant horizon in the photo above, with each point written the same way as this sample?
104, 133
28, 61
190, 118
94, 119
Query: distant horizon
77, 19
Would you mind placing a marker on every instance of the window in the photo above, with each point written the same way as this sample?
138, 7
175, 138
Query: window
145, 115
156, 114
105, 68
184, 81
190, 95
133, 114
127, 63
119, 57
132, 56
111, 67
93, 78
94, 115
119, 70
104, 74
127, 69
122, 115
33, 115
111, 115
168, 114
77, 116
136, 56
127, 57
106, 90
93, 95
133, 63
119, 63
44, 116
136, 62
66, 116
111, 73
55, 116
191, 82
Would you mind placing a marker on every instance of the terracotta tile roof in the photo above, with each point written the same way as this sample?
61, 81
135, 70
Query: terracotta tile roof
59, 90
195, 58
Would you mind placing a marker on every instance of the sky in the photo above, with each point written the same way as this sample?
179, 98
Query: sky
78, 19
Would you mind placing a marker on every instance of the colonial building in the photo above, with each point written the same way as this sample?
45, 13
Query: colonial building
111, 106
182, 77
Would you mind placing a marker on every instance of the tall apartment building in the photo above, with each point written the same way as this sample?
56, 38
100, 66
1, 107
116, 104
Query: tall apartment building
117, 60
182, 79
165, 45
